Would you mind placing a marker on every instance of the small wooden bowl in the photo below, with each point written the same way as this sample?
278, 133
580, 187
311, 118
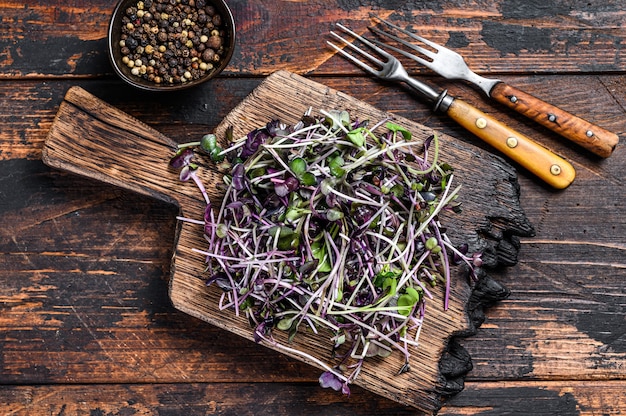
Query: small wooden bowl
124, 71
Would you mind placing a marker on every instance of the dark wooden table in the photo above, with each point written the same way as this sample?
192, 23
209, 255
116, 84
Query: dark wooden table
86, 326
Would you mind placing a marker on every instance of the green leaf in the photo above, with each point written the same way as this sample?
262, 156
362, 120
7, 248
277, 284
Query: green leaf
294, 214
338, 118
413, 293
339, 340
382, 276
446, 167
308, 179
431, 243
397, 190
221, 231
335, 166
405, 304
339, 296
208, 142
327, 185
333, 215
357, 137
318, 250
247, 303
287, 238
396, 128
256, 172
298, 166
284, 324
390, 285
292, 333
278, 231
216, 155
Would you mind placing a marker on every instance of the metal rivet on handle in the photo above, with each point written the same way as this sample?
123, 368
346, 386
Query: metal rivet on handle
555, 170
511, 142
589, 133
481, 123
513, 99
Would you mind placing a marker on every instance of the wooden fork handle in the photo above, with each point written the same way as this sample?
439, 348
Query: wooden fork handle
547, 166
591, 137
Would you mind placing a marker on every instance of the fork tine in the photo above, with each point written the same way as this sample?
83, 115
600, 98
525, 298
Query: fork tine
425, 41
354, 60
362, 52
422, 61
410, 45
354, 48
378, 50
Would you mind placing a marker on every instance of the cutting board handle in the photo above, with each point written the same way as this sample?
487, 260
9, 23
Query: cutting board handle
93, 139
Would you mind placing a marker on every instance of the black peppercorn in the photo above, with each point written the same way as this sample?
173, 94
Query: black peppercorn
131, 43
171, 41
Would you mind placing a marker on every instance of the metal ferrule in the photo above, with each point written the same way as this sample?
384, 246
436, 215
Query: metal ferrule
443, 102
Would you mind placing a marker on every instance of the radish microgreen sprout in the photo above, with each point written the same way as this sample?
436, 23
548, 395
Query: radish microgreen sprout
332, 227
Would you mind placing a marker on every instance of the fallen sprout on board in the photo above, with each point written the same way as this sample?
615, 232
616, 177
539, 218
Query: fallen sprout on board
328, 226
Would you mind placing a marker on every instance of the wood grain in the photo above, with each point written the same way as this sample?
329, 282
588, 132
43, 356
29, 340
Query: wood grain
547, 166
536, 398
593, 138
112, 154
505, 37
70, 241
84, 265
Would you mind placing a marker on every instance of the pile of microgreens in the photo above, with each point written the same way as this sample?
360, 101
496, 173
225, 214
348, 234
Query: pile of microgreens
328, 225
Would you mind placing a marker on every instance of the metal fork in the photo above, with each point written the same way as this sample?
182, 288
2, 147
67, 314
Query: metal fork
546, 165
451, 65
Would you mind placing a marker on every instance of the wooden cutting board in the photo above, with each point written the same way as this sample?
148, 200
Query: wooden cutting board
93, 139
